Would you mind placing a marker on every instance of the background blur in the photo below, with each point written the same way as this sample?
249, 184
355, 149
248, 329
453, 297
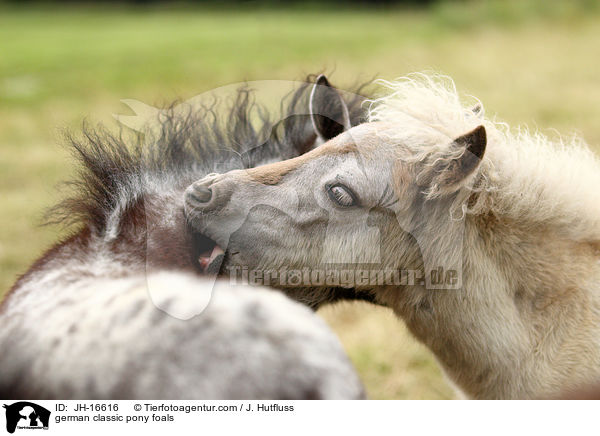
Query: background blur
531, 62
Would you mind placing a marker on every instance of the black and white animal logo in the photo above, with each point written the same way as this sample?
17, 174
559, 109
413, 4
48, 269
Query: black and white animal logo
26, 415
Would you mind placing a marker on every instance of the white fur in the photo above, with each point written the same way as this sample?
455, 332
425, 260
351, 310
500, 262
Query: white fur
527, 322
102, 338
528, 175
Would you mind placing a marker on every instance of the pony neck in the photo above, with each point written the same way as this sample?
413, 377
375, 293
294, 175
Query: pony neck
149, 233
529, 287
527, 292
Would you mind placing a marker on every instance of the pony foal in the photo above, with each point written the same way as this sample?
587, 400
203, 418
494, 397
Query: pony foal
79, 324
511, 221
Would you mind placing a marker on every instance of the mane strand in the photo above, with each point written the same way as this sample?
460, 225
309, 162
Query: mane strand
524, 175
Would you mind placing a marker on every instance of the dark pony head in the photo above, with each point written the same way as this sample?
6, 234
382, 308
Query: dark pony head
128, 193
116, 170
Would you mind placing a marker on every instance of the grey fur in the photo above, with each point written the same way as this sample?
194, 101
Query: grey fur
250, 343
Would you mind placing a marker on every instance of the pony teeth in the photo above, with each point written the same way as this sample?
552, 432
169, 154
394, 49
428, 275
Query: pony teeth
206, 261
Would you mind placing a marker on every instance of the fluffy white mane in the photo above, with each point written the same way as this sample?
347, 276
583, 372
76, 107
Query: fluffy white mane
525, 175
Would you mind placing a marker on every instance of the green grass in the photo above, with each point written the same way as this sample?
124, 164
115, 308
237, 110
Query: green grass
531, 62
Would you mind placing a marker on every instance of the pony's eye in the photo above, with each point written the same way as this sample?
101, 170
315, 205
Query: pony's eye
341, 195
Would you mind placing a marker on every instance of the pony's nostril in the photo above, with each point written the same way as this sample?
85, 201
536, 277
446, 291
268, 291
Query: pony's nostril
201, 194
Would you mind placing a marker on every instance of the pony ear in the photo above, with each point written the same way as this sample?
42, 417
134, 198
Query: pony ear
328, 110
448, 173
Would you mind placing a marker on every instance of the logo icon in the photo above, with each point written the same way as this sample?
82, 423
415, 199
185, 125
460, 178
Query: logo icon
26, 415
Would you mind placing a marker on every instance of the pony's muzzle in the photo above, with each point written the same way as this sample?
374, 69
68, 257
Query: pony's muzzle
200, 194
207, 195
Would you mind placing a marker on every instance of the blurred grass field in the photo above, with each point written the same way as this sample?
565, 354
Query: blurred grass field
530, 62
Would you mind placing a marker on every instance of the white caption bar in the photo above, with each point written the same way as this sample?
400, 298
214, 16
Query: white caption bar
299, 417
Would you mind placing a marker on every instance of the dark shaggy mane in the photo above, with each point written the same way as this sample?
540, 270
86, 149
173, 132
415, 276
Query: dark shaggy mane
116, 170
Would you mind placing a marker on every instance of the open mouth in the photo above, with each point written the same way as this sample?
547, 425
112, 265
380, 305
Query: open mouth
207, 255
